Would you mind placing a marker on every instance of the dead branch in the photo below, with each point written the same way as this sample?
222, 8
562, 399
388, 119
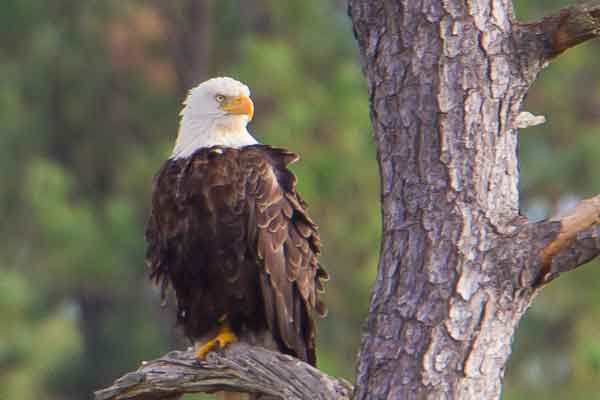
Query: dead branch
569, 27
576, 241
541, 41
239, 368
584, 247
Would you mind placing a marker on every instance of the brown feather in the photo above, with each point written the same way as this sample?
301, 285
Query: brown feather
230, 234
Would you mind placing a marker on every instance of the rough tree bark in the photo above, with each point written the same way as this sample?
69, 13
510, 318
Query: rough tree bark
240, 368
459, 264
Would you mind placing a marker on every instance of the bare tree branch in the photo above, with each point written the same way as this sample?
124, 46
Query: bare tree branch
577, 241
543, 40
239, 368
584, 247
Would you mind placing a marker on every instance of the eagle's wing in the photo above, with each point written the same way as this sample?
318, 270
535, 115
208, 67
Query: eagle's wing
287, 244
156, 250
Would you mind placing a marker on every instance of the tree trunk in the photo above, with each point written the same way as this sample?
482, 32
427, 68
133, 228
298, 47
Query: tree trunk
458, 264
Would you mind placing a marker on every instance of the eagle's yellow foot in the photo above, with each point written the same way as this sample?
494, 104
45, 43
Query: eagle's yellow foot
223, 338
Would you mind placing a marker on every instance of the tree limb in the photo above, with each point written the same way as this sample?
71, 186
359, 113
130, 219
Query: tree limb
239, 368
576, 241
543, 40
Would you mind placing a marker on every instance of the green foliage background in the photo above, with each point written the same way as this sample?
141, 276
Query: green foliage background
89, 99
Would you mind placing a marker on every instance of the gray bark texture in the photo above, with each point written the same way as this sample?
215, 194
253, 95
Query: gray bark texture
239, 368
459, 264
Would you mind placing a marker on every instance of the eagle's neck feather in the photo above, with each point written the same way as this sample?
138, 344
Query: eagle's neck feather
226, 131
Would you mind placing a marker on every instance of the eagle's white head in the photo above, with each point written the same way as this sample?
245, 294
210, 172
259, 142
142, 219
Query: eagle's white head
215, 112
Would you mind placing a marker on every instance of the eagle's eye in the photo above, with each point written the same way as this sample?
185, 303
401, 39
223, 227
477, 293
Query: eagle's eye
220, 98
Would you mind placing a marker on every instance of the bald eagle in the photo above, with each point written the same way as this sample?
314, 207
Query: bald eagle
230, 234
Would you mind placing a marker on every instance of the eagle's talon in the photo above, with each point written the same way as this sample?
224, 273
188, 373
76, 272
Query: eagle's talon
205, 348
223, 338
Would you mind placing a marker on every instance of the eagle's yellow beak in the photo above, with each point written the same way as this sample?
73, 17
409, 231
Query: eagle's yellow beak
240, 105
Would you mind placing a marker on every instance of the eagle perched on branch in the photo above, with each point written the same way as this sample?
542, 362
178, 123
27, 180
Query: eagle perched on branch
230, 234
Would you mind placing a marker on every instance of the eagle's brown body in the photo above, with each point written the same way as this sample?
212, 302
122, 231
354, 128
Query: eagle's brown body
230, 234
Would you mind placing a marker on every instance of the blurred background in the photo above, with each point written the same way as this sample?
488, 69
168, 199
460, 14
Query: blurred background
89, 98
